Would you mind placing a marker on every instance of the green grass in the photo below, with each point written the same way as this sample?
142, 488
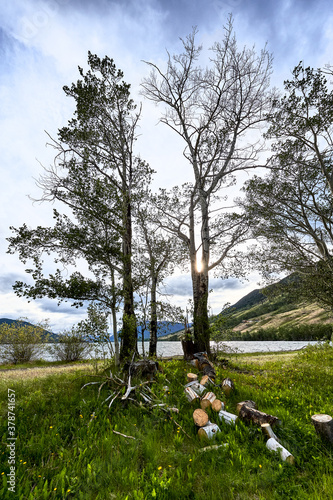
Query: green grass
66, 447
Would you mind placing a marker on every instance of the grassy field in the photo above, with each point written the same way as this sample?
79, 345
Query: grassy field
67, 444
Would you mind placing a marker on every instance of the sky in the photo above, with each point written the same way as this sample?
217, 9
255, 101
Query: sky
41, 45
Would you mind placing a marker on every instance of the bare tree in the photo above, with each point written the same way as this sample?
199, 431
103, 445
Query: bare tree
213, 110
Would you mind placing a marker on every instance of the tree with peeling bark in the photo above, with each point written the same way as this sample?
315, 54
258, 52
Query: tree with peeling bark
213, 110
97, 176
292, 207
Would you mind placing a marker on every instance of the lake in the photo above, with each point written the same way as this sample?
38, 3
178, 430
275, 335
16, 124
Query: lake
166, 349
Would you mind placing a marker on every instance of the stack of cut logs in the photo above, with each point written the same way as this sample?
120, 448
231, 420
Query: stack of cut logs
246, 410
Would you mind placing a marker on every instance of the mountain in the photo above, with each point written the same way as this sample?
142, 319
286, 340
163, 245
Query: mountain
273, 307
163, 328
269, 307
52, 336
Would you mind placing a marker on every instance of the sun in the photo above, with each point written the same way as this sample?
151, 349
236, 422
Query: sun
199, 264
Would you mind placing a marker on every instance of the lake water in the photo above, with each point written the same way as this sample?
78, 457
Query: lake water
166, 349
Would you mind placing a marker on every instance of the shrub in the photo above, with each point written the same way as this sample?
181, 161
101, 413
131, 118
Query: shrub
71, 346
20, 341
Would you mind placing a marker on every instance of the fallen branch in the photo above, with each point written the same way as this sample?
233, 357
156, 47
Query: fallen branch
123, 435
213, 447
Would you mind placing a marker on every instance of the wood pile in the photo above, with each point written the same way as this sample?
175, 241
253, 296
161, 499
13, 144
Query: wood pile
246, 411
207, 395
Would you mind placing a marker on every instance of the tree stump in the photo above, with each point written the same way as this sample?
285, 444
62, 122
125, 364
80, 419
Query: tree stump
207, 400
200, 417
217, 405
250, 414
323, 425
228, 386
274, 445
208, 431
188, 346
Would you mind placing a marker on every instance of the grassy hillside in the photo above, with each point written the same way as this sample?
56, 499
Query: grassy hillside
280, 317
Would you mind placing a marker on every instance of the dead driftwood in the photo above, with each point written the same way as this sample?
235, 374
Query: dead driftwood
246, 410
323, 425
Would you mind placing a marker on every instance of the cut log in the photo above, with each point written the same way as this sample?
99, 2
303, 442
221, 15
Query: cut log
191, 394
207, 400
195, 363
195, 386
268, 432
248, 414
205, 380
273, 445
228, 386
200, 417
323, 425
248, 402
191, 377
229, 418
205, 365
217, 405
208, 431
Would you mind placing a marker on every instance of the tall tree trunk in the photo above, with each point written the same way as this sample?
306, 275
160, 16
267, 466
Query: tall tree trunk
114, 319
200, 313
129, 330
153, 318
200, 281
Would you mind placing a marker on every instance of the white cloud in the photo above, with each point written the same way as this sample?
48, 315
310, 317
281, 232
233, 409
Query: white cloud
43, 42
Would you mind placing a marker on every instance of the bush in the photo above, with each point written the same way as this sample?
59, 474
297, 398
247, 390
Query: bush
20, 341
71, 346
